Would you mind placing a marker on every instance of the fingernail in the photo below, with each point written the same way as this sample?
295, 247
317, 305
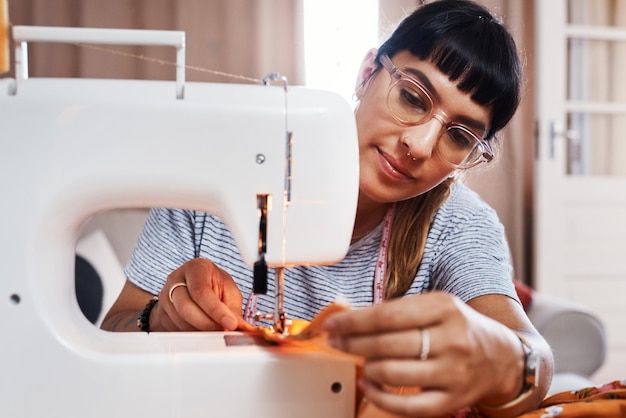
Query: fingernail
229, 323
362, 383
329, 325
334, 342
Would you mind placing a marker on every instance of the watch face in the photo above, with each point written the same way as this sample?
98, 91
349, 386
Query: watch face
533, 368
531, 372
532, 361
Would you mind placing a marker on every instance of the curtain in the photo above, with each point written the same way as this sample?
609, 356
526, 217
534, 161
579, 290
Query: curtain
248, 38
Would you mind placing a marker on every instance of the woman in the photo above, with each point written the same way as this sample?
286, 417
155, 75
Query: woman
431, 100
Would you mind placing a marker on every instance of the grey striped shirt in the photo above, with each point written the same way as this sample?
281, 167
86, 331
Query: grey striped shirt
466, 254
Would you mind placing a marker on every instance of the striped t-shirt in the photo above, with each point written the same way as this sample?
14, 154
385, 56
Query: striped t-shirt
466, 254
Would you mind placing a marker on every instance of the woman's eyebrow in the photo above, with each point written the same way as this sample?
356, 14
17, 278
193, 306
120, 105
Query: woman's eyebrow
423, 79
471, 123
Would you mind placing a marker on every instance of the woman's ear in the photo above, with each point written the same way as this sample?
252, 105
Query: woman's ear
368, 68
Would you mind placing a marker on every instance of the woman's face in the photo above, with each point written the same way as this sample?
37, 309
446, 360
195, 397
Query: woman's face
388, 172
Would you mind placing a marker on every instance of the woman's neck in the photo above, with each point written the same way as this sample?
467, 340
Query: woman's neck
369, 215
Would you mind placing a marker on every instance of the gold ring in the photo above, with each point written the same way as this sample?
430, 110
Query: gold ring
174, 286
425, 345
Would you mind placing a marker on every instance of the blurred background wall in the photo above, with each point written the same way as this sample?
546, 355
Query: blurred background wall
252, 38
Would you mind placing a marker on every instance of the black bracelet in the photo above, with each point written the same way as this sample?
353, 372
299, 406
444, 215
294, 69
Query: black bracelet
143, 322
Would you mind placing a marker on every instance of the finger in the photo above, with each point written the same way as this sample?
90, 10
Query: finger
430, 376
187, 315
176, 323
205, 286
173, 298
417, 311
429, 403
209, 317
399, 344
165, 317
166, 324
246, 327
212, 307
411, 373
231, 296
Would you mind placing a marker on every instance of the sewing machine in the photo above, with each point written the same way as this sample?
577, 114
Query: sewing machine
73, 148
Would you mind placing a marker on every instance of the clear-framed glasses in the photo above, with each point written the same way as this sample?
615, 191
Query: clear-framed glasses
410, 103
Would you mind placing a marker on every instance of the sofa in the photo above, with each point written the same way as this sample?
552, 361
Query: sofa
577, 337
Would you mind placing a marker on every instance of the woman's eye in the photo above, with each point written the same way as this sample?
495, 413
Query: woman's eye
414, 100
461, 139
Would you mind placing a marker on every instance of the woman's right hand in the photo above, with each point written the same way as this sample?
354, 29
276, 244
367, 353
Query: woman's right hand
209, 300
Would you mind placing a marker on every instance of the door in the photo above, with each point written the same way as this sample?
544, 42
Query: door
580, 200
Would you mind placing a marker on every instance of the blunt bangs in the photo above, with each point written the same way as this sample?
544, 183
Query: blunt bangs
471, 48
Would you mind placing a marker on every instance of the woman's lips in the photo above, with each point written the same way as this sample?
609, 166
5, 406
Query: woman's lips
392, 167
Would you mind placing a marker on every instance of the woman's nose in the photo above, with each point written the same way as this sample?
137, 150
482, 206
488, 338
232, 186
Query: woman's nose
421, 140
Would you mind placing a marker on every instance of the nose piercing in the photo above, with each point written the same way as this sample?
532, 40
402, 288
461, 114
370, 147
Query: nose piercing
408, 154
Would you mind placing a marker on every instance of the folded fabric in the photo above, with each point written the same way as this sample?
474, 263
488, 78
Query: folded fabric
605, 401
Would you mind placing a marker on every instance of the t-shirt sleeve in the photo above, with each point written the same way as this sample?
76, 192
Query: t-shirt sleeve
473, 256
165, 243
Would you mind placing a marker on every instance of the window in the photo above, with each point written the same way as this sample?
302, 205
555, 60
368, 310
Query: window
337, 34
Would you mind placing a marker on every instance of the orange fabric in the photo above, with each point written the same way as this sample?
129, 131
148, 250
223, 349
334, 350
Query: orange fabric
4, 36
606, 401
594, 402
298, 330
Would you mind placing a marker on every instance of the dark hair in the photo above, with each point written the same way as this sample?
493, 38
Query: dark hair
468, 45
478, 54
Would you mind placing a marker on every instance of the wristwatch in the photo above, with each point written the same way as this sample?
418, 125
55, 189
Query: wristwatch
531, 366
530, 376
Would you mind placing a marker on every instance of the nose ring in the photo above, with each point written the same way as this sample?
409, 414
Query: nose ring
408, 154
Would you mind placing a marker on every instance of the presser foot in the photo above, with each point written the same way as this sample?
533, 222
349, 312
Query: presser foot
280, 323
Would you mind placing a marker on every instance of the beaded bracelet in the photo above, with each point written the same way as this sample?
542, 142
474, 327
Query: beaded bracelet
143, 321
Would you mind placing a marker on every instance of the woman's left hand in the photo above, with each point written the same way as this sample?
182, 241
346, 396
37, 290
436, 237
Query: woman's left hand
454, 354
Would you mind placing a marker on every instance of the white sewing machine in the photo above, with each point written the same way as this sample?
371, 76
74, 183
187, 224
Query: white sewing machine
72, 148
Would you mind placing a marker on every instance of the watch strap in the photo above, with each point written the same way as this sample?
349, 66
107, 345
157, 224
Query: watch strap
530, 378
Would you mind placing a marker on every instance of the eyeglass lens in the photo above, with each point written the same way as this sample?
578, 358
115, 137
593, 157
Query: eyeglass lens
411, 104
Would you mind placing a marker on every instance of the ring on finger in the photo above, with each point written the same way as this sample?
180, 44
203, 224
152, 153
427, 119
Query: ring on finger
425, 345
174, 286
